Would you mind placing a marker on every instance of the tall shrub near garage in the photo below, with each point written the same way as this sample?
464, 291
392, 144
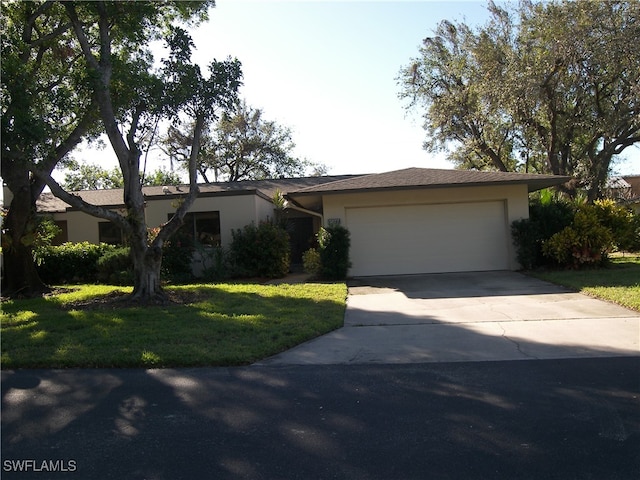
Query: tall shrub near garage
547, 216
334, 243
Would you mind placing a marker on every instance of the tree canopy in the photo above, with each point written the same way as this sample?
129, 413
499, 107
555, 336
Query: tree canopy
133, 95
48, 107
177, 88
90, 176
549, 87
241, 145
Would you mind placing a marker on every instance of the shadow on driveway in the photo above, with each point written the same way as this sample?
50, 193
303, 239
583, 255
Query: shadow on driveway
528, 420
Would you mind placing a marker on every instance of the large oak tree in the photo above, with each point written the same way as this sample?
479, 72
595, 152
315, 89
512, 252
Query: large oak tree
47, 109
552, 87
114, 40
109, 43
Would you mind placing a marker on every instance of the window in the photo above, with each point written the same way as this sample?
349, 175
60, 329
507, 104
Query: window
200, 228
110, 233
63, 236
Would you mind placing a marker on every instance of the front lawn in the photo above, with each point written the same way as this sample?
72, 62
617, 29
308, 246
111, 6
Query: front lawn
223, 324
619, 283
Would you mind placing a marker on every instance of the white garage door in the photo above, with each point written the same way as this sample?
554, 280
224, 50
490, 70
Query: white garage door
455, 237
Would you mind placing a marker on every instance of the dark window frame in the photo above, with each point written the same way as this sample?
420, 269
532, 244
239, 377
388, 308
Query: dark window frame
200, 228
113, 237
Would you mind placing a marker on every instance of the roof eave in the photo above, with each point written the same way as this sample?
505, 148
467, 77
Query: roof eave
532, 185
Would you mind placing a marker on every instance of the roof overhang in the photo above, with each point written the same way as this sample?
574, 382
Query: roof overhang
420, 179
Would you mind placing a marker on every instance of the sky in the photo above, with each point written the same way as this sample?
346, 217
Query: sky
328, 70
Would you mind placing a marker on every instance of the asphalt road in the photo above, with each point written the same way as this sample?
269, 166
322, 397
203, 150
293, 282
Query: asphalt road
545, 419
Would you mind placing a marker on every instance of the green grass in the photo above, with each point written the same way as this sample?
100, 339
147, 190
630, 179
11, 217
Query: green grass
619, 282
221, 325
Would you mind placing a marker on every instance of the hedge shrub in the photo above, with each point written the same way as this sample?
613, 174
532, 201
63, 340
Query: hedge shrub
70, 262
260, 251
547, 217
334, 243
177, 262
215, 263
115, 267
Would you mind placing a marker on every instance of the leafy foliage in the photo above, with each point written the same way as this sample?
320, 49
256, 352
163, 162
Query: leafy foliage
177, 255
545, 87
71, 262
585, 242
215, 262
547, 216
46, 109
334, 243
89, 176
241, 145
623, 223
114, 267
40, 234
573, 234
311, 261
134, 93
261, 251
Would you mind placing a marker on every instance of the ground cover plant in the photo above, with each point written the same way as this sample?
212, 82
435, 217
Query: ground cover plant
619, 282
218, 325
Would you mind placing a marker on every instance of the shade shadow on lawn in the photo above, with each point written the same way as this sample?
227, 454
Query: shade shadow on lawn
223, 325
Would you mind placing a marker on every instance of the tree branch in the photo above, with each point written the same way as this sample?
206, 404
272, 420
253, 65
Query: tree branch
75, 137
79, 203
176, 221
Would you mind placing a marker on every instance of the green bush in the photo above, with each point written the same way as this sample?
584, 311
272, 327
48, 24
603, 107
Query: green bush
115, 267
261, 251
311, 261
177, 255
215, 263
334, 243
585, 242
623, 223
70, 262
547, 216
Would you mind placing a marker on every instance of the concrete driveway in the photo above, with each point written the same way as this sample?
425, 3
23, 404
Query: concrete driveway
483, 316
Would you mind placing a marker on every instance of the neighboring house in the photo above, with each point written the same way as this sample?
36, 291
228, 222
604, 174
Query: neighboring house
401, 222
625, 189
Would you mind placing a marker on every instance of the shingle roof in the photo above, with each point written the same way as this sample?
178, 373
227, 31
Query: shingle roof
431, 178
115, 197
409, 178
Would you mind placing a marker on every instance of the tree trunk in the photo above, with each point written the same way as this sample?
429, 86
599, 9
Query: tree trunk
146, 271
20, 275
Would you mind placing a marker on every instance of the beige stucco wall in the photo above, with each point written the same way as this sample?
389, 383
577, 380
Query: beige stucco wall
236, 211
515, 198
80, 226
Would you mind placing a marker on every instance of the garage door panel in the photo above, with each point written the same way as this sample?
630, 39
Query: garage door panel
428, 238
